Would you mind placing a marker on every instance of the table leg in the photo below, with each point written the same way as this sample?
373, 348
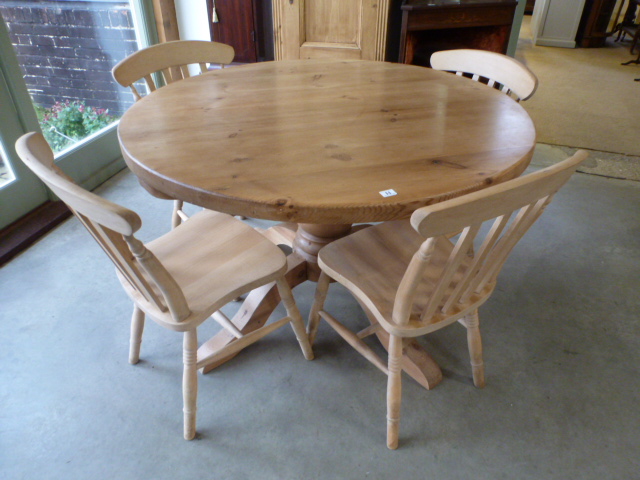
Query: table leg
310, 238
282, 234
306, 241
254, 312
302, 266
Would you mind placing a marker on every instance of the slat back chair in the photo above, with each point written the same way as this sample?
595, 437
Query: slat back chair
500, 71
161, 277
171, 61
412, 279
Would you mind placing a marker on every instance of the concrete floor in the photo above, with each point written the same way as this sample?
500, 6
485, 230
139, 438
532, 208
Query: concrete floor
562, 353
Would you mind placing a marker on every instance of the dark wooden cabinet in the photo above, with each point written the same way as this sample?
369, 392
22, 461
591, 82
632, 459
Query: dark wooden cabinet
628, 26
432, 25
594, 23
246, 25
528, 9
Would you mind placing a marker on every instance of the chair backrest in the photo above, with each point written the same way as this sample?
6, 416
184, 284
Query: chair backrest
499, 71
112, 226
171, 60
470, 272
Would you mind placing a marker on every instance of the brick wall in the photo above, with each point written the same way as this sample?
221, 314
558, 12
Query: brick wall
66, 49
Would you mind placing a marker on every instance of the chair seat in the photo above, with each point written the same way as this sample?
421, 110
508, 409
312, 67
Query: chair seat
371, 263
211, 268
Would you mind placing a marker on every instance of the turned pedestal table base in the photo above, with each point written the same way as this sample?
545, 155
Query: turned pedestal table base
306, 240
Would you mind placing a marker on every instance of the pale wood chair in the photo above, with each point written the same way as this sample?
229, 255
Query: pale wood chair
499, 71
182, 278
171, 61
411, 279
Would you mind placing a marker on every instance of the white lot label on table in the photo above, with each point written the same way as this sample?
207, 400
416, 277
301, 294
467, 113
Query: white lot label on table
388, 193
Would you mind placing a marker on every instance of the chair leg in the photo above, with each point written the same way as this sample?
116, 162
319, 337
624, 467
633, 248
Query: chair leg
394, 391
175, 217
190, 382
474, 341
137, 327
314, 316
296, 319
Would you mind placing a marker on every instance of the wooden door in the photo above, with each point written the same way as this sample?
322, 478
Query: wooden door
234, 23
350, 29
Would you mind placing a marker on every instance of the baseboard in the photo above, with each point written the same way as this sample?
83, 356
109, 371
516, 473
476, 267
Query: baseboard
24, 232
555, 42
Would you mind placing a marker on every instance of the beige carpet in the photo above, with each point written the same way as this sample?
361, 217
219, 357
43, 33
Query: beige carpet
585, 97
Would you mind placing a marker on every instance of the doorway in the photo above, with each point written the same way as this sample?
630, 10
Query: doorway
246, 25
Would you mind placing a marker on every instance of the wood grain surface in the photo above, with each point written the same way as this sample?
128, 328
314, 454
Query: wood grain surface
315, 141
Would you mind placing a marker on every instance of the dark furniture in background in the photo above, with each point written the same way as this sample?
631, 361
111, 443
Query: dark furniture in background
594, 24
528, 9
416, 28
628, 26
432, 25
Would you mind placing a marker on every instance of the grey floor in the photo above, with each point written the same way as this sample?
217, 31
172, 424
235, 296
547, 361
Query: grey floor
562, 353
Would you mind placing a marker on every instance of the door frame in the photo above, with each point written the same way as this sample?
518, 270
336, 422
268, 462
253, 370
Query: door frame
25, 191
90, 162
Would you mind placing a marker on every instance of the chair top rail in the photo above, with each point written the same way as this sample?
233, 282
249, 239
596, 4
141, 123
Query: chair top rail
32, 147
170, 54
513, 75
456, 214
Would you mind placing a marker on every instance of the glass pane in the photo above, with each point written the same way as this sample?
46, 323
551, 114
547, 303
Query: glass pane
66, 49
6, 174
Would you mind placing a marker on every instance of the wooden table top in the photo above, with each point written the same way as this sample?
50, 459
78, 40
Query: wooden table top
316, 141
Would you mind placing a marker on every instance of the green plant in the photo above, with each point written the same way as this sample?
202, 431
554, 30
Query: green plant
66, 123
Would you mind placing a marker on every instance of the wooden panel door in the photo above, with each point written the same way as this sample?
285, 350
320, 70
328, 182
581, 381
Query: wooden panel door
235, 25
350, 29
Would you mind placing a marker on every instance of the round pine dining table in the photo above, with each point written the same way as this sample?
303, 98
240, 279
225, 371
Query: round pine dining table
322, 145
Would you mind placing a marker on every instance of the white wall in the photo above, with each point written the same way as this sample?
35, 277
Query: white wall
193, 21
555, 22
